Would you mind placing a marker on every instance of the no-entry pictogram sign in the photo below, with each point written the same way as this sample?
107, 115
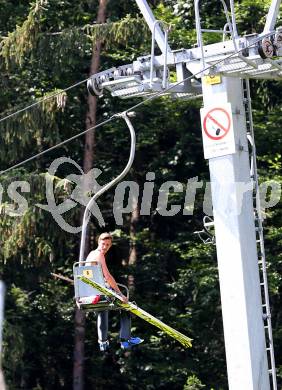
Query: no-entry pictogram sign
217, 130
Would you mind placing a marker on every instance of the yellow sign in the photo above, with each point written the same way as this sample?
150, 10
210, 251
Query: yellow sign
212, 79
88, 273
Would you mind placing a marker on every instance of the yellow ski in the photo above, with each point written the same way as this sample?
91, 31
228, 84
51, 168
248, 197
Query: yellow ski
133, 308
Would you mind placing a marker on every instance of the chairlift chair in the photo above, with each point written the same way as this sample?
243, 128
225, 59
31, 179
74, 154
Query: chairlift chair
88, 298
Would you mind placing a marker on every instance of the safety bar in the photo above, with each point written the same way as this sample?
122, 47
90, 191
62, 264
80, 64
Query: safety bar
232, 26
150, 20
232, 31
156, 23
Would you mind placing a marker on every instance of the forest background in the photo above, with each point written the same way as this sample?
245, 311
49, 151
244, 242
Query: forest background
47, 46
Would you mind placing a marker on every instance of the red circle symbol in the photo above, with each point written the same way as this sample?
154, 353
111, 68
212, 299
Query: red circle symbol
217, 123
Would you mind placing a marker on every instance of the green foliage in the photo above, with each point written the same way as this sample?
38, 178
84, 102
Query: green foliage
24, 38
120, 32
193, 383
47, 46
250, 15
24, 233
178, 36
35, 126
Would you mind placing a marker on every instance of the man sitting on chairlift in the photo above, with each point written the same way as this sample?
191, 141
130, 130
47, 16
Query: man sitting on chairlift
98, 255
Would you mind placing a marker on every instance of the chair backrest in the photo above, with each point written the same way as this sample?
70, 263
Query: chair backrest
93, 272
85, 295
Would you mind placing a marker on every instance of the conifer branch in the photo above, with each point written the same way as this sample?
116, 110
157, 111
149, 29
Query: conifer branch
24, 38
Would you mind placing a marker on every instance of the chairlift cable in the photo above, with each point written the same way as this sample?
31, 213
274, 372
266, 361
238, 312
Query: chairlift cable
55, 146
45, 98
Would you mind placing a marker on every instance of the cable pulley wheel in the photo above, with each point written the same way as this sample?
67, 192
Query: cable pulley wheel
94, 88
278, 40
266, 48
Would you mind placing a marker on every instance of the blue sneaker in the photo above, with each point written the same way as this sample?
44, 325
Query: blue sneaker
104, 345
127, 344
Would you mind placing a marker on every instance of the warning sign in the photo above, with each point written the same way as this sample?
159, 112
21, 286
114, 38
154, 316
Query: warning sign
217, 130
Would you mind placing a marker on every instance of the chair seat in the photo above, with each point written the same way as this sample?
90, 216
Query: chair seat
96, 303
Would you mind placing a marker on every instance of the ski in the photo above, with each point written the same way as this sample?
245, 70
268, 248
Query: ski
133, 308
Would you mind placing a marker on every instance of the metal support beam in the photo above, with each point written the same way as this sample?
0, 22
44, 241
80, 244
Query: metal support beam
155, 28
272, 16
236, 249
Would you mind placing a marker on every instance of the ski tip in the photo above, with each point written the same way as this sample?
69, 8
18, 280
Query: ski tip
186, 343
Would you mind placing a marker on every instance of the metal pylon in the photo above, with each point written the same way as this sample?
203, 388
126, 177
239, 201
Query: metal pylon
260, 237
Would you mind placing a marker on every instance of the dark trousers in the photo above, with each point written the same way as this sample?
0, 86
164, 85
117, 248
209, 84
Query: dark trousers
103, 325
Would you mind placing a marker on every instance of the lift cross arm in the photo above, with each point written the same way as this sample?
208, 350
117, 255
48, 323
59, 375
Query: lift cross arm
272, 16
